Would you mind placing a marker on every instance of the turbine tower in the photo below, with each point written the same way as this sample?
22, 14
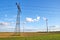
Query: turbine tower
47, 25
17, 28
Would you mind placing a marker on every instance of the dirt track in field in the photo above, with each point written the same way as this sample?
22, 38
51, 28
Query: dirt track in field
5, 34
11, 34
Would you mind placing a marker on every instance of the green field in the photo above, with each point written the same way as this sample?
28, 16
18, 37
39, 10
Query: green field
45, 36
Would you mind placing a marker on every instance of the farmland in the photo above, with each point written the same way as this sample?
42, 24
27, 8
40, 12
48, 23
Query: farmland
30, 36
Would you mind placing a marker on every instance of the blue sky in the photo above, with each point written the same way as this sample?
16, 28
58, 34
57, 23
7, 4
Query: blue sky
33, 13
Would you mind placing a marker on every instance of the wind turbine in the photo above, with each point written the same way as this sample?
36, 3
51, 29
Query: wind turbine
24, 25
46, 23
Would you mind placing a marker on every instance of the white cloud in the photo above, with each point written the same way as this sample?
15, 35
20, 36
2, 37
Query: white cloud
38, 18
4, 24
35, 19
32, 20
29, 19
44, 18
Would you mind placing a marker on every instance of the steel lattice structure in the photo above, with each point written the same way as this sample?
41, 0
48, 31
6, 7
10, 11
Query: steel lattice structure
17, 28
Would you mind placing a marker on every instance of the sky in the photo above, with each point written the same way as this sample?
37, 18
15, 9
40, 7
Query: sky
32, 17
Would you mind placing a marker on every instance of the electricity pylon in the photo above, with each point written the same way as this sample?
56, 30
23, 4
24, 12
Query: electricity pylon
17, 28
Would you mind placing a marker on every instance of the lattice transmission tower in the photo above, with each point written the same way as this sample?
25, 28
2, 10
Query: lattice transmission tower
17, 28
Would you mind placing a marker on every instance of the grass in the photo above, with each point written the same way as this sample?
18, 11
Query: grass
45, 36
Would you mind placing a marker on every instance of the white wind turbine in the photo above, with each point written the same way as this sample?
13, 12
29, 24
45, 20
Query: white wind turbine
44, 18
